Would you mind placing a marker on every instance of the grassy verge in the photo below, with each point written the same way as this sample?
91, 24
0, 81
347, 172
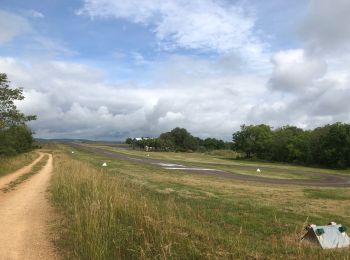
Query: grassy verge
36, 168
13, 163
131, 211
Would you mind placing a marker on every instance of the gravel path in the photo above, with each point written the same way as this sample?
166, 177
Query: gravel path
24, 218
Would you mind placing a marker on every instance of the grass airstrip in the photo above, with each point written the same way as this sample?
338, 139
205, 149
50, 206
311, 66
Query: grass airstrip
136, 211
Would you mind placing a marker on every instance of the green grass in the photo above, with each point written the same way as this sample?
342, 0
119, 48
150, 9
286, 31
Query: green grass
218, 160
133, 211
224, 157
9, 164
331, 194
36, 168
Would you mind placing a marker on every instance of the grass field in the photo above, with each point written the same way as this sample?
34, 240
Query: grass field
11, 164
225, 160
134, 211
36, 168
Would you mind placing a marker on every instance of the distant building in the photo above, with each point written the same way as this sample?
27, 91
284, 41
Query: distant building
141, 138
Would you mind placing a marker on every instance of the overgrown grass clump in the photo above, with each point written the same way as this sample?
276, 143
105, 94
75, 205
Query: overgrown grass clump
111, 214
9, 164
35, 169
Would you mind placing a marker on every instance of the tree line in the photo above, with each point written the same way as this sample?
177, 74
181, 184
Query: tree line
15, 136
327, 146
179, 140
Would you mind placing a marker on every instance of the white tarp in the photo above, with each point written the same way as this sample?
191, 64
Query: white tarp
327, 237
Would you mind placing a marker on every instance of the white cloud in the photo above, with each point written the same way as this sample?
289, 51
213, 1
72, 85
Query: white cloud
71, 101
294, 70
35, 14
207, 25
305, 91
313, 83
208, 95
325, 28
12, 25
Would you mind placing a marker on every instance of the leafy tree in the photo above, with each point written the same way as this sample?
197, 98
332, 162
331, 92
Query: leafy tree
328, 145
335, 145
183, 140
9, 115
213, 144
289, 144
128, 140
167, 142
15, 136
253, 140
15, 139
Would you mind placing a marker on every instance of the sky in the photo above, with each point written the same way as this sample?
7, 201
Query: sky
111, 69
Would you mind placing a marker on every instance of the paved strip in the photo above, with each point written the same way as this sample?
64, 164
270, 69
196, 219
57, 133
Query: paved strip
324, 180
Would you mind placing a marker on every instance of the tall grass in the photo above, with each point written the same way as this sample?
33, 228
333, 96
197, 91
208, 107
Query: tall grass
108, 216
224, 153
36, 168
10, 164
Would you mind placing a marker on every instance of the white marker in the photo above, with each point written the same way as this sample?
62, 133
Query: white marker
104, 164
258, 170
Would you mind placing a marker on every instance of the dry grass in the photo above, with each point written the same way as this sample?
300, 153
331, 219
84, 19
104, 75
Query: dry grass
9, 164
36, 168
131, 211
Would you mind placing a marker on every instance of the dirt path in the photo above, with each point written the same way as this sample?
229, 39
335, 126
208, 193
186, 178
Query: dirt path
323, 180
24, 217
12, 176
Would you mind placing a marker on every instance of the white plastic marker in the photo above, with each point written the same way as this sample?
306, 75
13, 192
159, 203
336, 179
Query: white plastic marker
104, 164
72, 151
258, 170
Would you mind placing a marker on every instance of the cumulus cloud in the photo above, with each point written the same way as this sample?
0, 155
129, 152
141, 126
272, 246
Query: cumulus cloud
71, 100
304, 92
210, 94
294, 70
311, 86
12, 25
325, 28
207, 25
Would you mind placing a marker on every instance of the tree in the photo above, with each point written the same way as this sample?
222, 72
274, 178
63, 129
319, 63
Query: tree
16, 139
183, 140
15, 136
253, 140
128, 140
213, 144
178, 139
9, 115
289, 144
328, 145
335, 145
